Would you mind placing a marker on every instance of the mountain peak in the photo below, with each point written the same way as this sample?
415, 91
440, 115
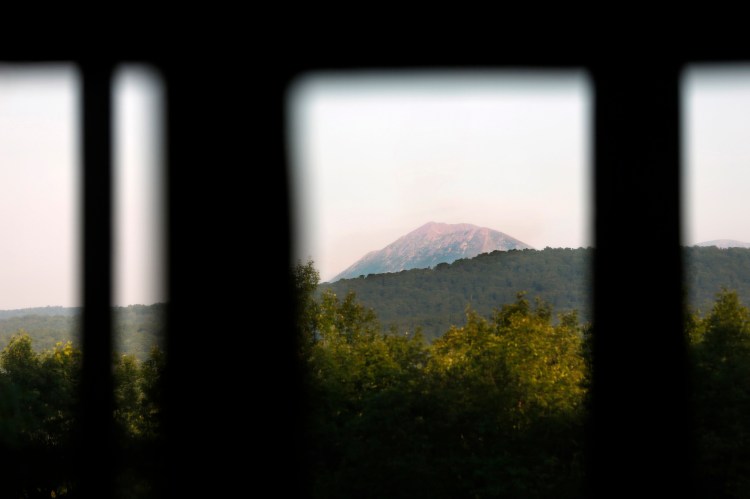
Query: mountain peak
443, 228
429, 245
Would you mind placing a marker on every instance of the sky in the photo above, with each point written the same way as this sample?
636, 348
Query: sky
40, 187
716, 152
139, 169
377, 155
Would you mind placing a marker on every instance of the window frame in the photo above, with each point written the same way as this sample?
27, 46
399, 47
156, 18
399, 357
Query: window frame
636, 101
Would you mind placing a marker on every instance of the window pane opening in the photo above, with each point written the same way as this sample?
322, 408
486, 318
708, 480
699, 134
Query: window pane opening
716, 185
431, 211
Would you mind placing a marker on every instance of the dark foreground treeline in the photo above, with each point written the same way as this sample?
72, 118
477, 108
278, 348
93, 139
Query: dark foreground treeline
496, 407
38, 397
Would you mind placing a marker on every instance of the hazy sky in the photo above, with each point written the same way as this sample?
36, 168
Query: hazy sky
39, 187
139, 238
377, 156
716, 146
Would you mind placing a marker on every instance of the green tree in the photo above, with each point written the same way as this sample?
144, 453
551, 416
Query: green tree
364, 386
493, 408
61, 372
720, 353
151, 384
513, 392
306, 278
138, 395
37, 401
21, 377
127, 395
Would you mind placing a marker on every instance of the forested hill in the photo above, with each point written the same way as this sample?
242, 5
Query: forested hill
435, 299
43, 311
709, 269
137, 327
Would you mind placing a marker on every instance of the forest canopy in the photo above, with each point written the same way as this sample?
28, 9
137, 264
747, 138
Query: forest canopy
496, 406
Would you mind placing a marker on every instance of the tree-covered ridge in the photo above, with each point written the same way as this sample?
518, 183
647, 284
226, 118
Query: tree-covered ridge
435, 299
137, 328
64, 311
709, 270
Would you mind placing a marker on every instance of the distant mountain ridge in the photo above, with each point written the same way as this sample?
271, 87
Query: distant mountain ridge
430, 245
724, 244
136, 328
41, 311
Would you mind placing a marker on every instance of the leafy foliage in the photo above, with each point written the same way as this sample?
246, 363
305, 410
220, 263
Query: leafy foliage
492, 408
38, 397
720, 350
495, 407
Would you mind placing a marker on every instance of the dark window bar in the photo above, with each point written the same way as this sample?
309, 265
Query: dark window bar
636, 182
97, 398
640, 374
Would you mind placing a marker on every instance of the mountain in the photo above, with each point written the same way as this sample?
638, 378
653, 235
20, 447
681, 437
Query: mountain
429, 245
724, 244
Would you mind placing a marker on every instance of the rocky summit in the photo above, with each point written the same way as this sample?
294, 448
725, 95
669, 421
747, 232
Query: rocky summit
430, 245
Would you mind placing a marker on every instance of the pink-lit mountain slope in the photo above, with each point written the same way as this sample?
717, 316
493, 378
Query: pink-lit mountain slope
429, 245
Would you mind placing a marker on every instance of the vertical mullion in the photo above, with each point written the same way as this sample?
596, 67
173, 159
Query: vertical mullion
97, 398
640, 421
166, 402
